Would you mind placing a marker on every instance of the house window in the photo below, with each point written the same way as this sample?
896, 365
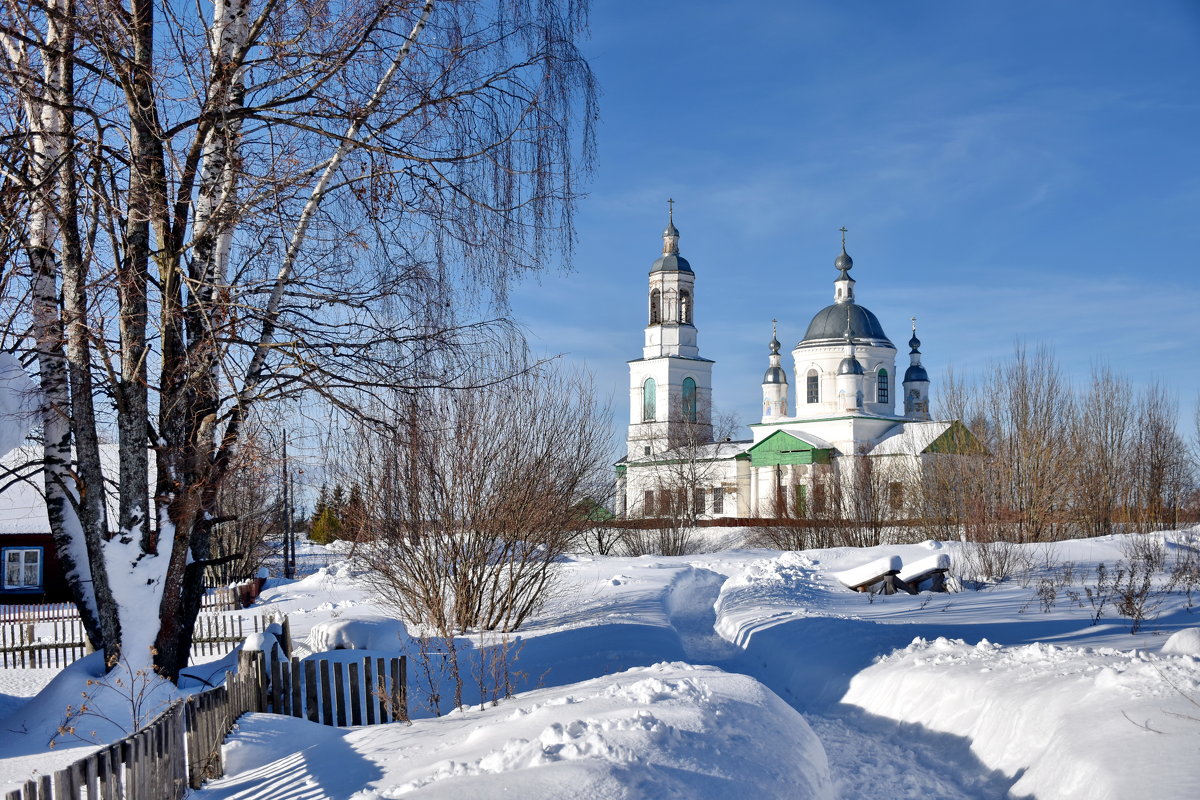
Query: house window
685, 308
881, 392
649, 400
813, 386
718, 500
655, 307
22, 568
689, 399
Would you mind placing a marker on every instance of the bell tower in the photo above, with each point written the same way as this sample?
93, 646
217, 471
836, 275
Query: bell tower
670, 386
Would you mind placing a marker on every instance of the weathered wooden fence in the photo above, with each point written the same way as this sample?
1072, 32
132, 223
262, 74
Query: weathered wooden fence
362, 692
21, 645
37, 612
60, 641
182, 747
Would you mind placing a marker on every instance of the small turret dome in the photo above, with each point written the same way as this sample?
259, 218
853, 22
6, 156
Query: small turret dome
670, 230
775, 375
916, 373
914, 343
843, 261
850, 366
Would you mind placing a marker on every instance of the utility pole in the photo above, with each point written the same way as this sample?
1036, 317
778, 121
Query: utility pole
289, 544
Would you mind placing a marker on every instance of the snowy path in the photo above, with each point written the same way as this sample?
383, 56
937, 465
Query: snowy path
869, 756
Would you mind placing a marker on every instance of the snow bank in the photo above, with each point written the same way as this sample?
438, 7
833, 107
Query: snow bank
1067, 722
362, 633
1184, 642
668, 730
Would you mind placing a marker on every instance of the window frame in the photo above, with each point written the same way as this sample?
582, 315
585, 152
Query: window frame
882, 386
813, 386
41, 568
689, 399
649, 400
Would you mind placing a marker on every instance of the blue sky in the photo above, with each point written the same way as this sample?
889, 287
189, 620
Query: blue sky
1007, 171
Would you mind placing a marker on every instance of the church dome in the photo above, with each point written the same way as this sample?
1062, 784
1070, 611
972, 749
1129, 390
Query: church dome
850, 366
916, 373
830, 323
775, 375
843, 262
670, 263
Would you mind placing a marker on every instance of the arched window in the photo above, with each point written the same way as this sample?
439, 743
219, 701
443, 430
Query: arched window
689, 399
685, 308
649, 400
655, 307
814, 392
881, 384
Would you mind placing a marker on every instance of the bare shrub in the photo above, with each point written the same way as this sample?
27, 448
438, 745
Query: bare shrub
1146, 549
995, 561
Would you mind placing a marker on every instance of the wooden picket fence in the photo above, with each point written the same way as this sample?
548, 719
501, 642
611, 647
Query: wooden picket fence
368, 691
61, 640
182, 747
20, 645
37, 612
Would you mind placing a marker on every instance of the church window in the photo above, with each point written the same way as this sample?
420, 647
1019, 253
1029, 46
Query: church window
648, 503
896, 495
689, 400
699, 496
655, 307
813, 386
818, 498
718, 500
649, 400
881, 392
685, 308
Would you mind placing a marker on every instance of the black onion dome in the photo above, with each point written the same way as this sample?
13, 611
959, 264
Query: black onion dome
830, 323
671, 263
843, 261
915, 374
670, 230
914, 343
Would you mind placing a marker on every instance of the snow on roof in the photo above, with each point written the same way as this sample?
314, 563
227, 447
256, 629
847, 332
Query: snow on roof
22, 504
910, 438
18, 403
803, 435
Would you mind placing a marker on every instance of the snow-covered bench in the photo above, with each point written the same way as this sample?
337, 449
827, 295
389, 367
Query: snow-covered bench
931, 568
894, 576
864, 576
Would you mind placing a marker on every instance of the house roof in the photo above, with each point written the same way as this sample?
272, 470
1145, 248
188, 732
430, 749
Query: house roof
22, 503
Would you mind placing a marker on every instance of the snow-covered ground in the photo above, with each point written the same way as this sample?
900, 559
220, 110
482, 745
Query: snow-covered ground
757, 672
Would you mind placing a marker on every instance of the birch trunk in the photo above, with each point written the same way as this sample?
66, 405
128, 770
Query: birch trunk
46, 130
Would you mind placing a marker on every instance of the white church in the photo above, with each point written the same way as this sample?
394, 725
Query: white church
805, 445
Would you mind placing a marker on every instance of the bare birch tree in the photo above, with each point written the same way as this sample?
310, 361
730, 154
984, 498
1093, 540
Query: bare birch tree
265, 202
